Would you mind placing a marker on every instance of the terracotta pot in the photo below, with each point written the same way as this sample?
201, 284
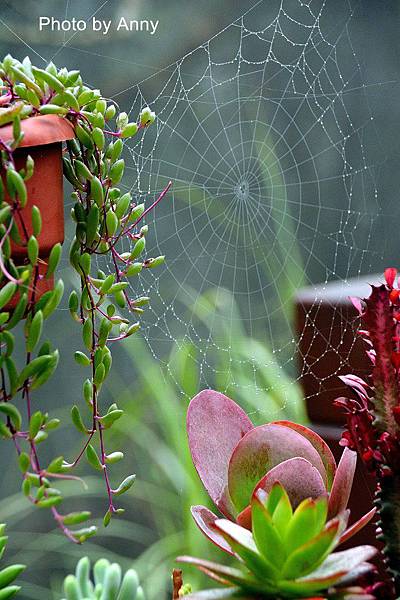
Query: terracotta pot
43, 137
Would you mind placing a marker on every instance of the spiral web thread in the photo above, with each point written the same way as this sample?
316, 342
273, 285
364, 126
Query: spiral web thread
265, 131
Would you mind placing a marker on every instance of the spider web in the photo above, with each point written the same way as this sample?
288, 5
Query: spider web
264, 130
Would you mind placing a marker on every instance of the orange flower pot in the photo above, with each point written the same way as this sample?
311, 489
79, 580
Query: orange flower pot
43, 137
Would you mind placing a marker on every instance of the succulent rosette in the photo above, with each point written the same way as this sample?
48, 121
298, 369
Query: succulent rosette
284, 500
234, 459
288, 553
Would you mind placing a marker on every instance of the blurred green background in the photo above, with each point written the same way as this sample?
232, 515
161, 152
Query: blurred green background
277, 123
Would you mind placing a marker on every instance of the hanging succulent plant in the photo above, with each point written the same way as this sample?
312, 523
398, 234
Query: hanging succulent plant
43, 107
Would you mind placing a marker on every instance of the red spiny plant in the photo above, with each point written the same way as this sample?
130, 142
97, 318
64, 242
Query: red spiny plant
373, 417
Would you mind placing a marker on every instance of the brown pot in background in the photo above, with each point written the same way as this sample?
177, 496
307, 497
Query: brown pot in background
329, 346
43, 137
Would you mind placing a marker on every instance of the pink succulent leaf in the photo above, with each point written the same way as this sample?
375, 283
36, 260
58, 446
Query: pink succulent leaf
357, 303
319, 444
357, 526
215, 425
357, 384
337, 567
298, 476
342, 484
221, 573
346, 560
378, 318
390, 276
205, 520
218, 595
259, 451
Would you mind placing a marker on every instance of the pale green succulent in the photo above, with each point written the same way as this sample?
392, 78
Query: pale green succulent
107, 583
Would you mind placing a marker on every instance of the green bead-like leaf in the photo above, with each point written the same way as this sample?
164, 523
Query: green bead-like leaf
125, 485
54, 259
110, 418
92, 458
36, 221
116, 171
24, 462
6, 408
35, 331
77, 420
7, 292
35, 424
82, 359
75, 518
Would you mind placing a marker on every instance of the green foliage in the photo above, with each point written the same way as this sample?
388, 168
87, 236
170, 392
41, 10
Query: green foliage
8, 575
104, 218
107, 582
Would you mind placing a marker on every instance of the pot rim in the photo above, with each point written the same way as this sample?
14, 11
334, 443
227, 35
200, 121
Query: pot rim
40, 130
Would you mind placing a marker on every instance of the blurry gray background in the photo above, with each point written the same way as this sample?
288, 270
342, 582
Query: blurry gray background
279, 130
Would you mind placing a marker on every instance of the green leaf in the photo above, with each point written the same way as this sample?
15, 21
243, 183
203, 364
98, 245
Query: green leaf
35, 331
241, 541
52, 109
129, 586
282, 514
52, 81
49, 502
92, 458
7, 292
266, 537
83, 534
24, 462
36, 221
87, 333
114, 457
45, 374
110, 418
107, 283
33, 250
82, 359
71, 588
309, 556
92, 225
10, 573
54, 300
12, 411
54, 259
56, 465
34, 368
305, 524
116, 171
35, 423
97, 191
138, 248
125, 485
16, 186
112, 223
77, 419
74, 518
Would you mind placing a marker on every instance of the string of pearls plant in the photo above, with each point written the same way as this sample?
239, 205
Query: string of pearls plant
104, 218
